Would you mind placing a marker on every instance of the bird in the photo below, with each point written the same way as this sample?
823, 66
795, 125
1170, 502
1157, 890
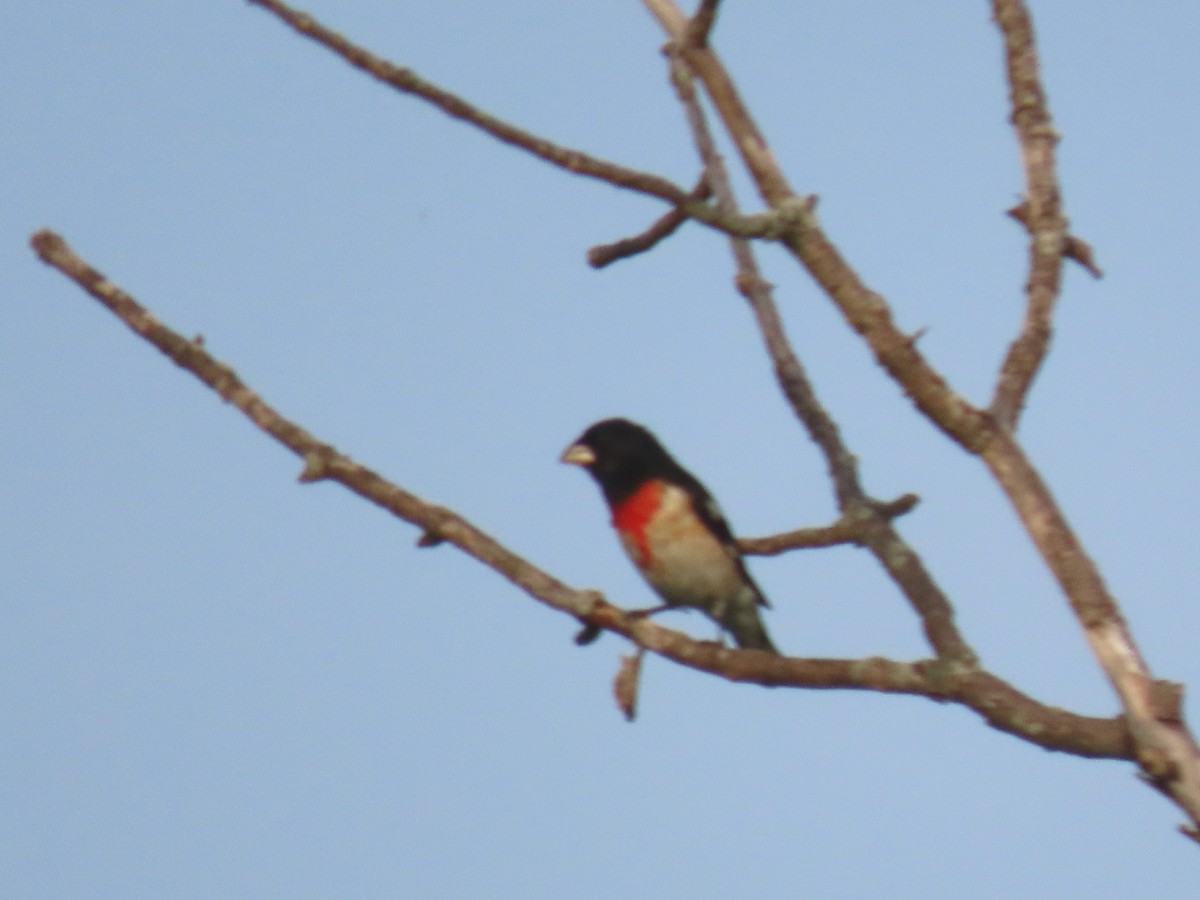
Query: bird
671, 528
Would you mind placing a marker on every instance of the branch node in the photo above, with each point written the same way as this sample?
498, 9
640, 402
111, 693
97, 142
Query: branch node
796, 215
747, 283
591, 629
1074, 248
913, 338
894, 509
938, 672
1166, 701
1158, 769
1081, 251
316, 465
605, 254
430, 538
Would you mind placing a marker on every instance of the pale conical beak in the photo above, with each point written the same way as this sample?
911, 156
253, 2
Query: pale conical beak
578, 455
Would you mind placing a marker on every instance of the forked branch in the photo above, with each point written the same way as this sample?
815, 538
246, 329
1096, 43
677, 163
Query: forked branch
1148, 732
1166, 749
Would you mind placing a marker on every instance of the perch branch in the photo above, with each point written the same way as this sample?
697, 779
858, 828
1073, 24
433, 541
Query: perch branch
1000, 704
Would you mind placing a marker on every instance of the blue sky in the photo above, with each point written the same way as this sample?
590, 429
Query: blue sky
216, 682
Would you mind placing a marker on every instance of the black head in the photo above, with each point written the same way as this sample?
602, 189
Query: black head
621, 455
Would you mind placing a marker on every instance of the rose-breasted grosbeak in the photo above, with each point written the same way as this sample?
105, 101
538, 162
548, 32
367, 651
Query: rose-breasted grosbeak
672, 528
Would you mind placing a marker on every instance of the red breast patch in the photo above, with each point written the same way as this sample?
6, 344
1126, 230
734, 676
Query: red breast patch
631, 516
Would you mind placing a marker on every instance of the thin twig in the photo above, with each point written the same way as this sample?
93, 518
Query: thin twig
843, 531
1043, 216
605, 254
571, 160
407, 81
1076, 248
852, 528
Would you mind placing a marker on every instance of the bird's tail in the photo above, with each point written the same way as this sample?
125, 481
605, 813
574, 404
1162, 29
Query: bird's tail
744, 623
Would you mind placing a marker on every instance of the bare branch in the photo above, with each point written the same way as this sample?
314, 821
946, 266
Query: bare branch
1076, 248
751, 144
1043, 215
605, 254
843, 531
851, 528
1165, 750
793, 380
765, 225
1000, 704
321, 460
408, 82
701, 25
1043, 219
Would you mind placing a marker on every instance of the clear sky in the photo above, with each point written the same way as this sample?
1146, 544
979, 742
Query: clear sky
215, 682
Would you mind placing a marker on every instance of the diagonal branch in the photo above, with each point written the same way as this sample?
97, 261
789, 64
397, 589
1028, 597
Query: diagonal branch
571, 160
702, 22
791, 220
408, 82
321, 460
1041, 212
862, 308
867, 520
1000, 704
1165, 748
606, 254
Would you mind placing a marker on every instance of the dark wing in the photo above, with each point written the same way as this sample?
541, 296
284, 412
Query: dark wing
714, 519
